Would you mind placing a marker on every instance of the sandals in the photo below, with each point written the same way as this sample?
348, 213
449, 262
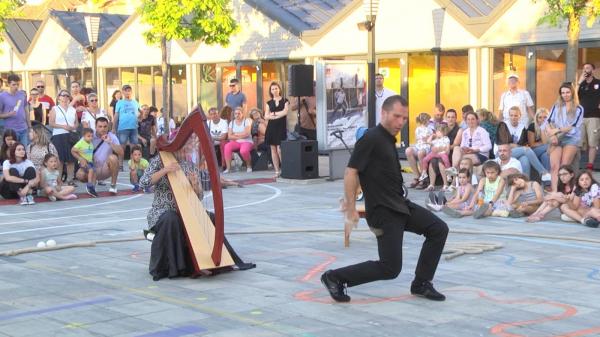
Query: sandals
414, 183
72, 183
430, 188
277, 174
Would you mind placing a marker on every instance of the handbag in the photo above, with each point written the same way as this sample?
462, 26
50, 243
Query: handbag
73, 135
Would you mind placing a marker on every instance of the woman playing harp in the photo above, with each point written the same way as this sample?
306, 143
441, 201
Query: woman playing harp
173, 252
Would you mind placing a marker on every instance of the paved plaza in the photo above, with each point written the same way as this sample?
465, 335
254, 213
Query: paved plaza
532, 286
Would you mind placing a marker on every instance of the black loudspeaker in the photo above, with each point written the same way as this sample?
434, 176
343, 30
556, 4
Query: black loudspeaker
299, 159
300, 80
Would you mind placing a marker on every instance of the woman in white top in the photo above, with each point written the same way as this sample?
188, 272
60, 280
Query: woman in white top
63, 120
240, 139
475, 143
92, 112
20, 176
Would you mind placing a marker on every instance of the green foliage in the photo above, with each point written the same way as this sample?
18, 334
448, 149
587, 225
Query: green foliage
7, 10
207, 20
560, 11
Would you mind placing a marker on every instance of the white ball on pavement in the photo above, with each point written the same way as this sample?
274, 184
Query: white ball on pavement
41, 244
50, 243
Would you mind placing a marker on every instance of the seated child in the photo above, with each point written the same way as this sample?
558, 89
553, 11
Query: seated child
51, 184
440, 148
524, 197
465, 163
83, 150
488, 197
553, 200
137, 166
585, 198
460, 202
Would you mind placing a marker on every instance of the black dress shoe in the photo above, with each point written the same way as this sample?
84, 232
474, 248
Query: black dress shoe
426, 290
591, 222
336, 289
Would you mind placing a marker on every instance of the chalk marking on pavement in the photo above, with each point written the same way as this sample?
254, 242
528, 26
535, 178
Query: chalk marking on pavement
73, 216
176, 332
18, 314
74, 207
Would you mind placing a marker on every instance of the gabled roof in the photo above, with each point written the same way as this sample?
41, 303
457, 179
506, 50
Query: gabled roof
477, 16
74, 23
21, 32
476, 8
299, 16
40, 11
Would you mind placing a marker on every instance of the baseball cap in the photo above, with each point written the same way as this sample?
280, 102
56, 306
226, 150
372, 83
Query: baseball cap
126, 87
515, 76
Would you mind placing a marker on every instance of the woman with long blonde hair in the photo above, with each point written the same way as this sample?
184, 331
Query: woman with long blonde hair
563, 128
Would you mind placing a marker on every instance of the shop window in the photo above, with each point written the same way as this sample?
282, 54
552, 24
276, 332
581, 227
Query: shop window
249, 84
144, 85
421, 88
454, 80
179, 92
208, 86
113, 83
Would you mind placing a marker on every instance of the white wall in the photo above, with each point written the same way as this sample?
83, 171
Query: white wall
9, 61
519, 25
55, 48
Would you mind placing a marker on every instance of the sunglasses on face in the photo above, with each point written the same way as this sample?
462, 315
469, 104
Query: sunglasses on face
64, 95
93, 100
40, 86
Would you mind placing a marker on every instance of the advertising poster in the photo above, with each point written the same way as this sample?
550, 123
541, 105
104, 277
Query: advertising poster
342, 99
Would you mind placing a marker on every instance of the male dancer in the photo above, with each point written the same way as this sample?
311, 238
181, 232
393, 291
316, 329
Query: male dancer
388, 212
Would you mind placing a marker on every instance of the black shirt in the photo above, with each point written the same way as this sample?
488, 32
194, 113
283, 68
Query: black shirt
376, 159
589, 98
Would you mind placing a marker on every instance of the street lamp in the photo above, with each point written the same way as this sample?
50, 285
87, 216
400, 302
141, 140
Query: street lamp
370, 8
92, 27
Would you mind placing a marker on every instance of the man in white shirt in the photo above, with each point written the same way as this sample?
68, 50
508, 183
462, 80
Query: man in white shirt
508, 164
515, 97
218, 128
381, 94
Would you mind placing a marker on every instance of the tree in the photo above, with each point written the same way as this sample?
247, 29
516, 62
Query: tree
571, 11
206, 21
7, 10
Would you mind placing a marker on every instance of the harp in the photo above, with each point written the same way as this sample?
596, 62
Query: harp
205, 234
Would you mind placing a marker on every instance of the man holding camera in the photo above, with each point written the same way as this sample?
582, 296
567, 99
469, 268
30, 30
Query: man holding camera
589, 98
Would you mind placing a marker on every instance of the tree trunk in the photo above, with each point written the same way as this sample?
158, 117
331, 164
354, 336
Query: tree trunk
164, 67
572, 48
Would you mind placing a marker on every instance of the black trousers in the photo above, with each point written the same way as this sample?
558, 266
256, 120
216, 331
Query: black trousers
389, 227
9, 190
170, 255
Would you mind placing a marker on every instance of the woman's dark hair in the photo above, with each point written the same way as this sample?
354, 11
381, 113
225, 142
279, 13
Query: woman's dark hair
471, 113
278, 86
11, 156
562, 187
114, 98
227, 113
578, 190
4, 149
503, 135
152, 109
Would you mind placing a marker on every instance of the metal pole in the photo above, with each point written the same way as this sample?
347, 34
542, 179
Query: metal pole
94, 68
437, 56
371, 70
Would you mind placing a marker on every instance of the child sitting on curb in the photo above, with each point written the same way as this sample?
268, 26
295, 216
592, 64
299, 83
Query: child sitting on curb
137, 166
51, 184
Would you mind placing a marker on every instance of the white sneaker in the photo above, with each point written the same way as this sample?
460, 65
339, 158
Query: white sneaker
23, 201
52, 197
30, 200
113, 189
452, 171
546, 177
225, 172
249, 170
567, 218
423, 176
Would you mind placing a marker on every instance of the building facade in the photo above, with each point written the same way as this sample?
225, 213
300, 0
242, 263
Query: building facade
453, 51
